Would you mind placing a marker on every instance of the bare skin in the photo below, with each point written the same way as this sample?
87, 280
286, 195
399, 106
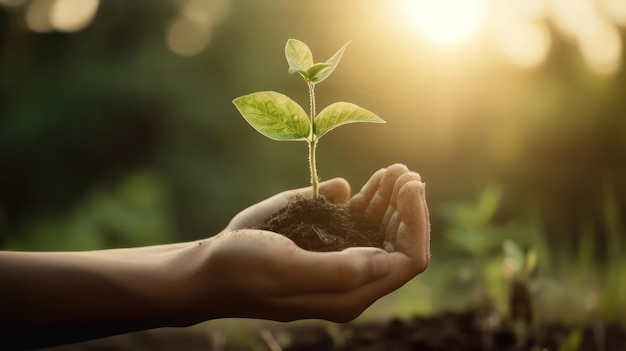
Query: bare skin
62, 297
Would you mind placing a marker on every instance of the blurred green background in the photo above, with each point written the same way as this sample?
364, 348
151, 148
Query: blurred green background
117, 127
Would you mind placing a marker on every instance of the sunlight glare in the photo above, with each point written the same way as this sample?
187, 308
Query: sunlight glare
444, 21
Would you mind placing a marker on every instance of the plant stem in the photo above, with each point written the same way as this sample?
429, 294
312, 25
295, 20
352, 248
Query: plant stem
313, 142
314, 177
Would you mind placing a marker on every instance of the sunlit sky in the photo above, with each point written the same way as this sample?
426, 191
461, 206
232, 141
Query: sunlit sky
518, 30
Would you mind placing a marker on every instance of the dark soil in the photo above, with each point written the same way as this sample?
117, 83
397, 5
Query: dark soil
320, 225
450, 331
462, 331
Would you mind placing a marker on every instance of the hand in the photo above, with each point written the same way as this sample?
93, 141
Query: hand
259, 274
238, 273
395, 196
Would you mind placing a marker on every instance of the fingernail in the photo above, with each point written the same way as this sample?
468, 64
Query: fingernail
381, 262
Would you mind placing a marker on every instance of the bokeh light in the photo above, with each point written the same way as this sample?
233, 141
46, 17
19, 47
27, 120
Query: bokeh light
188, 37
62, 15
38, 15
72, 15
615, 10
519, 30
190, 33
601, 46
525, 43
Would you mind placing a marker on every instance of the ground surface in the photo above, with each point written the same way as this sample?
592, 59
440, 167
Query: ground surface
459, 331
463, 331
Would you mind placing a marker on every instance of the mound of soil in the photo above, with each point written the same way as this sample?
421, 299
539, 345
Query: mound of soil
321, 225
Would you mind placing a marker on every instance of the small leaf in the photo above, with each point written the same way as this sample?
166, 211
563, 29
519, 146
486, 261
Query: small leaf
299, 56
318, 74
341, 113
274, 115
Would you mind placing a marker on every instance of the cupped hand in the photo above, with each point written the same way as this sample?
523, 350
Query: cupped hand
260, 274
395, 198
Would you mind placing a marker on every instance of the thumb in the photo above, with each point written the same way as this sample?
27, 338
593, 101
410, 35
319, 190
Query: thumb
337, 271
336, 190
375, 262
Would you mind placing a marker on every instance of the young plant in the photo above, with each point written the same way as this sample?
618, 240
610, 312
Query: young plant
280, 118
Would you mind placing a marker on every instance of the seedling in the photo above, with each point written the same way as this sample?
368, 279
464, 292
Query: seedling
278, 117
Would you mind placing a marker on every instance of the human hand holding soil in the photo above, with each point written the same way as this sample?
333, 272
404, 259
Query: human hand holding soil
238, 273
260, 274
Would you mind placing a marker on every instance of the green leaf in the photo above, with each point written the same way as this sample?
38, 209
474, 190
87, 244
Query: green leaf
321, 71
317, 72
299, 56
341, 113
274, 115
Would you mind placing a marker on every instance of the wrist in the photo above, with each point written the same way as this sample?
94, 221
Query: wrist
185, 288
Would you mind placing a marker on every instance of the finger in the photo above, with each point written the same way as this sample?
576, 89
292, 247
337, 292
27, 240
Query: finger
426, 219
391, 220
330, 272
403, 179
359, 202
336, 190
414, 231
380, 201
347, 305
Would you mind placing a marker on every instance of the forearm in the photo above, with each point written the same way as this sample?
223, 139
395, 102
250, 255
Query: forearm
55, 298
146, 251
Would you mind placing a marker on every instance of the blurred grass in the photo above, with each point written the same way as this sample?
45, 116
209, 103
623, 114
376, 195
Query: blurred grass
132, 214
